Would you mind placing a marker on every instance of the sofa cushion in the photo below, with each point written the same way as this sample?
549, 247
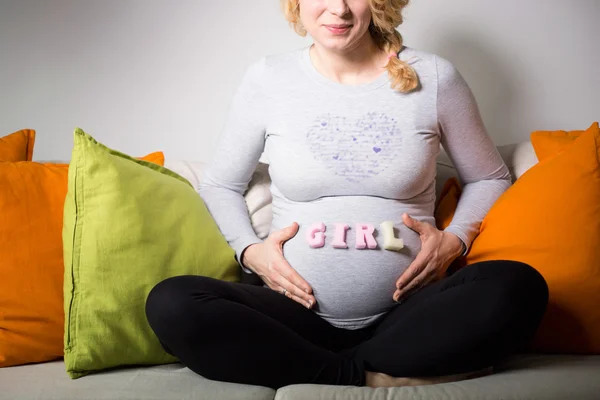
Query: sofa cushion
526, 376
556, 377
32, 196
128, 224
446, 203
17, 146
548, 143
258, 195
550, 219
161, 382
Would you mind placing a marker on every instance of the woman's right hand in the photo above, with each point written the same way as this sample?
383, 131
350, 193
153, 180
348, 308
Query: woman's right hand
267, 261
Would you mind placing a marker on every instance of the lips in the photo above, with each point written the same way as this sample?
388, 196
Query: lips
338, 28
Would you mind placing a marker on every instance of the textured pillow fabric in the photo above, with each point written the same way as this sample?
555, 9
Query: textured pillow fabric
128, 225
17, 146
548, 143
32, 198
550, 219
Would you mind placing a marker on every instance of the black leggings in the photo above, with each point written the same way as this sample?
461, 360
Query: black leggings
242, 333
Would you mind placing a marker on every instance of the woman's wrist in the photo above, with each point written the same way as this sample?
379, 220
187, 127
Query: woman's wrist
246, 256
458, 246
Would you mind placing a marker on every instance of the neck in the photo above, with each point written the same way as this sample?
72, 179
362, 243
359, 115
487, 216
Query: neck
353, 65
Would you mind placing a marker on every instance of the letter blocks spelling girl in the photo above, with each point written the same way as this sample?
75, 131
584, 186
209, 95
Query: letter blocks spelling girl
364, 239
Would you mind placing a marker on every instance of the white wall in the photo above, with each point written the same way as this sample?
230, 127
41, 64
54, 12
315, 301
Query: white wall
142, 75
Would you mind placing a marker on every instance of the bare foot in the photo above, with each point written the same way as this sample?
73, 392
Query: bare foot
379, 379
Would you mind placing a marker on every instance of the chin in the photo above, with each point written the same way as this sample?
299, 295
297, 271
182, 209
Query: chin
336, 44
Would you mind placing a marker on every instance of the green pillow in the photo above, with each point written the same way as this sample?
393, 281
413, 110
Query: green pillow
128, 224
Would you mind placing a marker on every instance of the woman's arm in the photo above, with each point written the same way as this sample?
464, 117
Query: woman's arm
239, 148
480, 167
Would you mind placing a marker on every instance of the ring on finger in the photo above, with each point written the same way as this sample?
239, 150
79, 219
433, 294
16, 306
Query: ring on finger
284, 291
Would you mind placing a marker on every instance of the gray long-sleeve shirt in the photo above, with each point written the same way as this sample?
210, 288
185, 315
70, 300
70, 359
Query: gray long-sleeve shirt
347, 158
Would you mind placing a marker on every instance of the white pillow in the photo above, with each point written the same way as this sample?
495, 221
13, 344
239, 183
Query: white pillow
518, 157
258, 196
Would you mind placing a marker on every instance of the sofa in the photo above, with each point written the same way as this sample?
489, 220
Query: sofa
522, 376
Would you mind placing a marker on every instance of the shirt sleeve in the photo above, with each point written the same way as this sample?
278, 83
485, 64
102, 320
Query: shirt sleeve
480, 168
239, 148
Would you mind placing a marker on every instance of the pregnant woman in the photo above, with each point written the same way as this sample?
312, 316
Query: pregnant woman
355, 286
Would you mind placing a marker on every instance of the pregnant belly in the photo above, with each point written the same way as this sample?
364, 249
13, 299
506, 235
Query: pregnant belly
353, 287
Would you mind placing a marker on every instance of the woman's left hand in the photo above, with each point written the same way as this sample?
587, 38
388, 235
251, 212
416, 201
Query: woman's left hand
438, 250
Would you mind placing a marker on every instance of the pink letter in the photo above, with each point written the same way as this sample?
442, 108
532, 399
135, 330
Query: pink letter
339, 238
364, 232
315, 235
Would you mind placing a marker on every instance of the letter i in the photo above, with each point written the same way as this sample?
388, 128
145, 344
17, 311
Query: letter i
339, 239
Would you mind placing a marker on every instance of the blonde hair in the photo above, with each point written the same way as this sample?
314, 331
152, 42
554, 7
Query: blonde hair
386, 16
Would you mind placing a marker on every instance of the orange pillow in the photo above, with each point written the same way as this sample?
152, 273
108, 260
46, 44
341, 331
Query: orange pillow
17, 146
550, 219
32, 197
549, 143
447, 203
445, 208
157, 157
